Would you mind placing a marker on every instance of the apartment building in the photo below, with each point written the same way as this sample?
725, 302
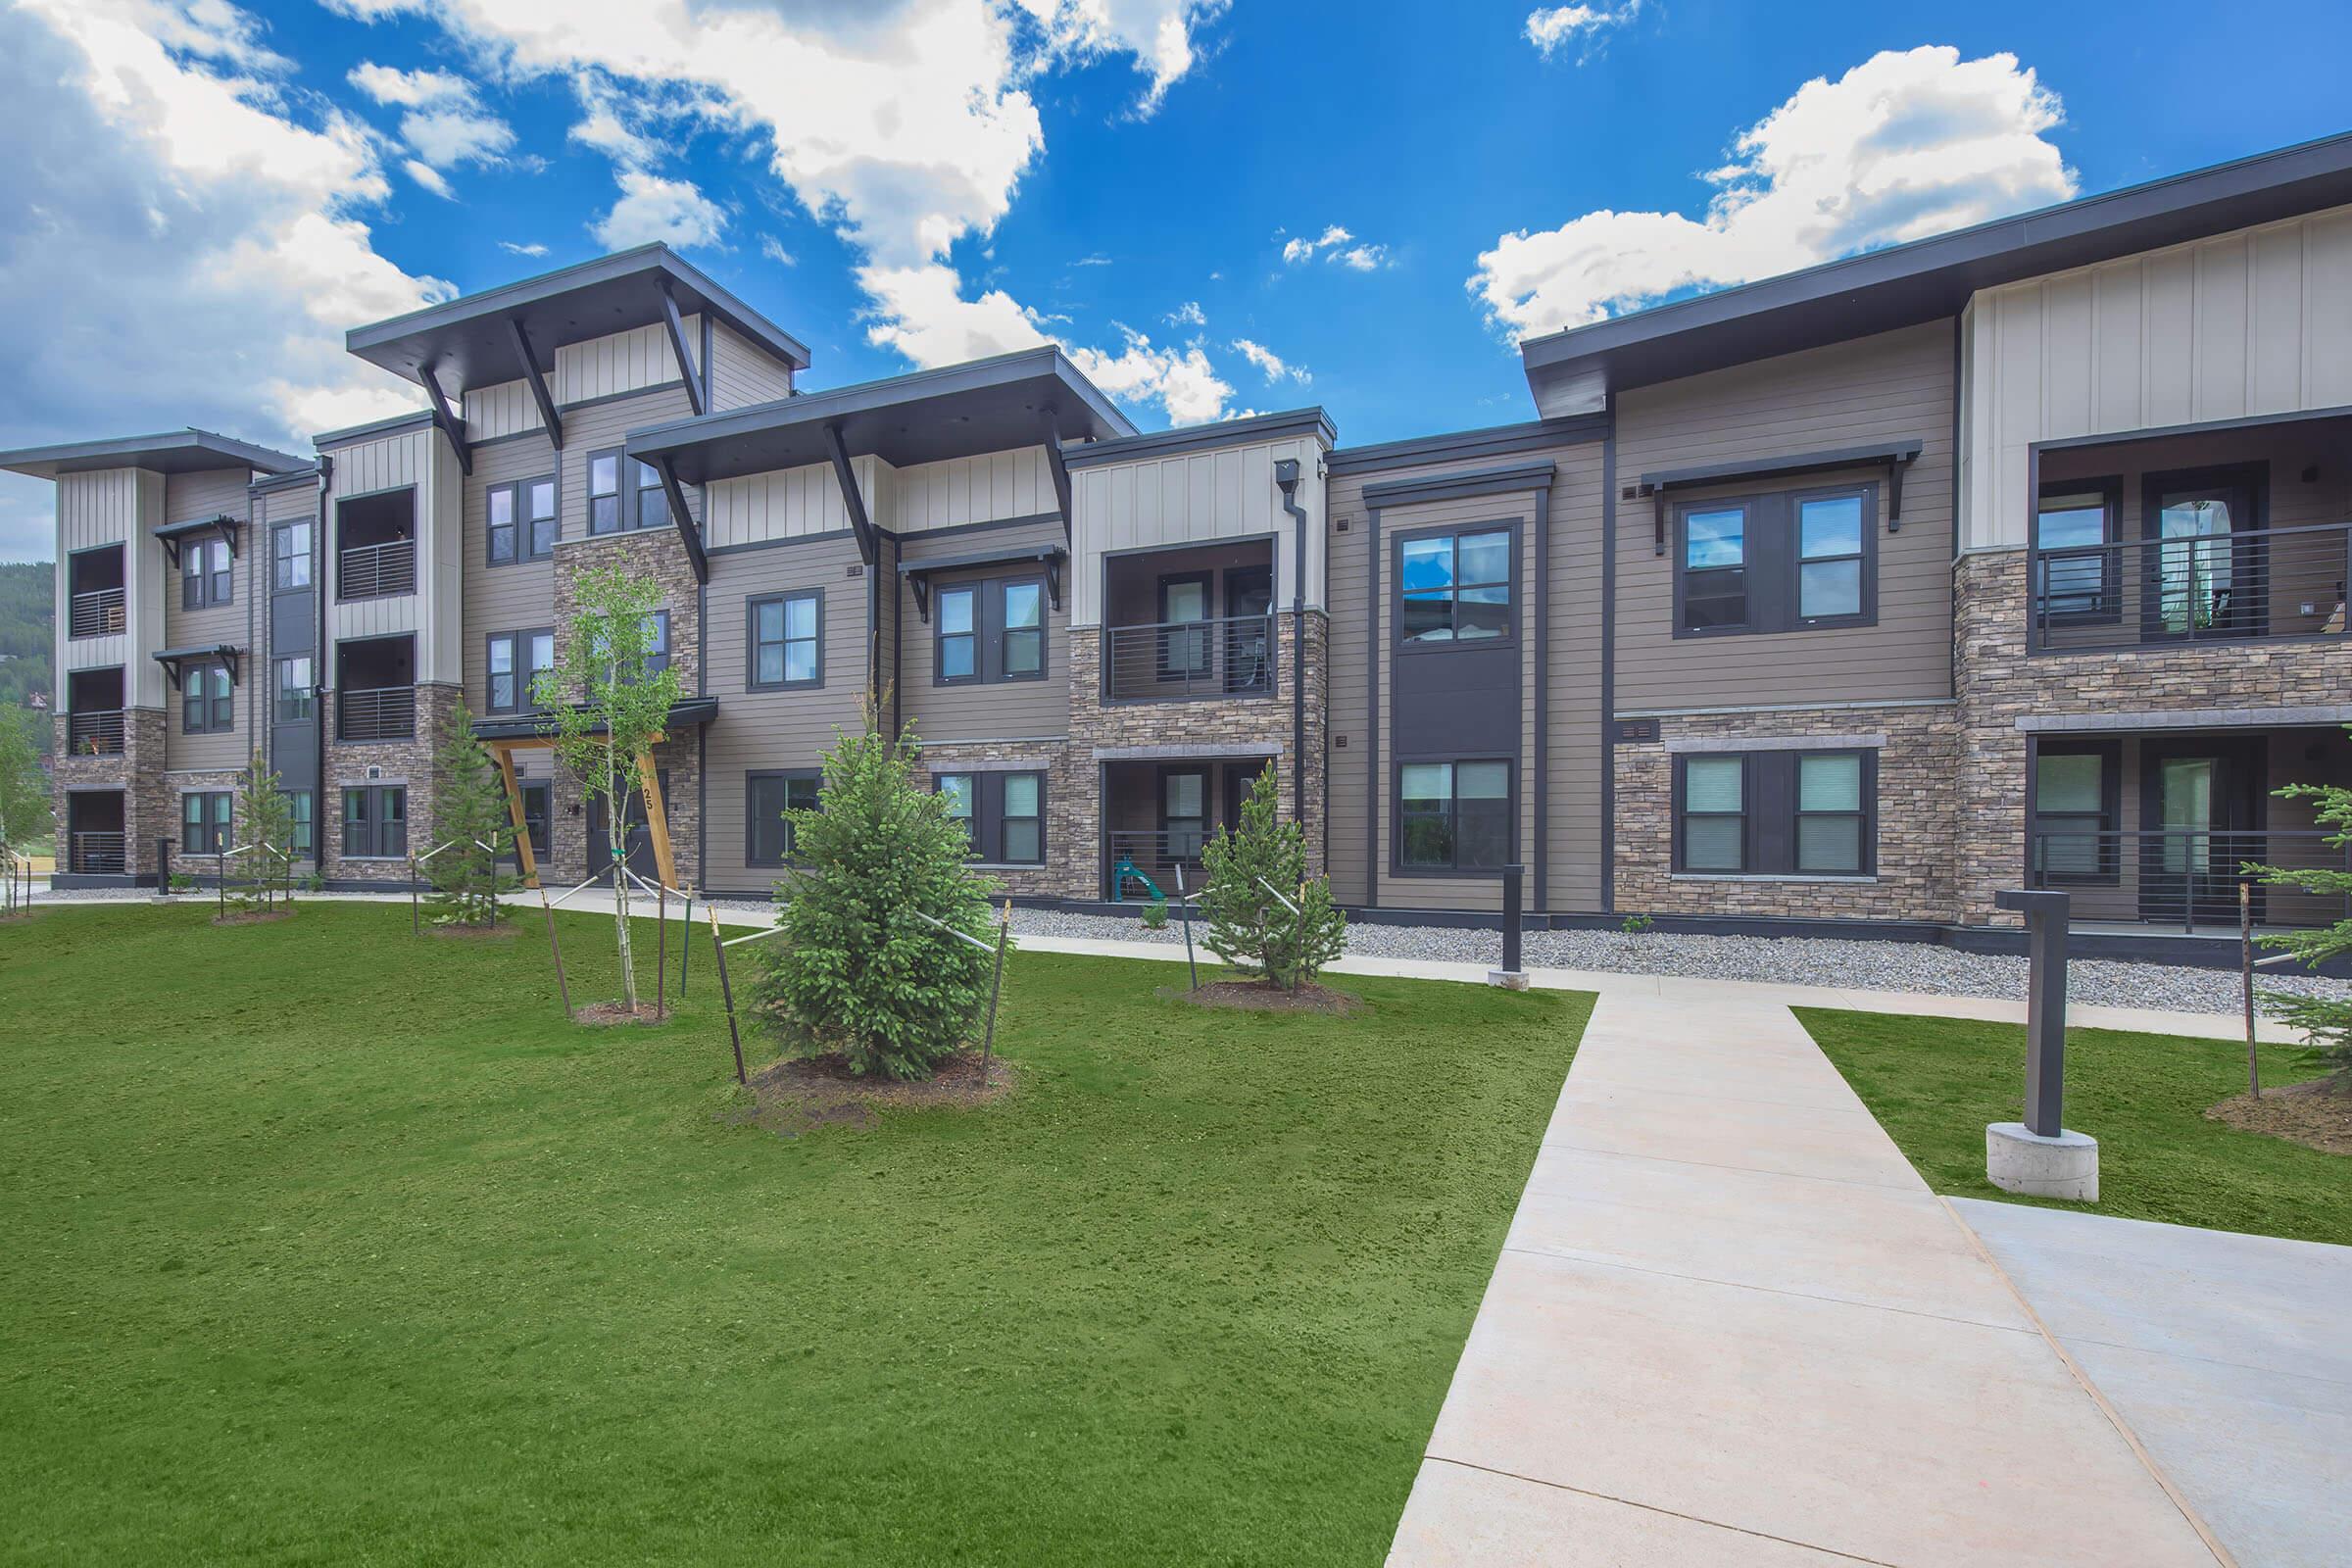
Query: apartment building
1840, 601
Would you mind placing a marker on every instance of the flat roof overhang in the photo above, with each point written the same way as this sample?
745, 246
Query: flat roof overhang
189, 451
469, 341
692, 714
1577, 371
954, 411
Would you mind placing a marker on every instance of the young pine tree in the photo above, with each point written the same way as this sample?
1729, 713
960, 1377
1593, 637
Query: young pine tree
2326, 1022
469, 812
608, 710
266, 824
858, 971
1250, 928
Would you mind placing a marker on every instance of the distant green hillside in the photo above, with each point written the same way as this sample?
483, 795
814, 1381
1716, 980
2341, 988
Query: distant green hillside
28, 616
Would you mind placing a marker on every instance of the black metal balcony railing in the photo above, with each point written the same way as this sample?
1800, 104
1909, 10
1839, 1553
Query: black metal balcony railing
94, 734
2186, 878
376, 713
376, 571
95, 854
1143, 863
1180, 661
2231, 587
95, 614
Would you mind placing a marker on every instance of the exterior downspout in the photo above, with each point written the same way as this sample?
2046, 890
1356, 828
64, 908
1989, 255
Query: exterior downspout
1286, 479
320, 665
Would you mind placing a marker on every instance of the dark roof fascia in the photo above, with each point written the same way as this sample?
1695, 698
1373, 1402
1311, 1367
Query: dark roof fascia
656, 257
168, 451
1201, 437
1769, 467
1454, 445
816, 409
1932, 278
981, 558
180, 656
690, 714
352, 434
307, 474
1475, 482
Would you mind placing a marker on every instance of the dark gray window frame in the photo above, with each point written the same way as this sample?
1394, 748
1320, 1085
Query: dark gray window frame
2109, 870
988, 811
278, 689
1399, 646
751, 641
783, 778
214, 586
2108, 608
305, 828
989, 630
519, 491
195, 673
524, 700
1769, 811
655, 663
1771, 557
280, 557
377, 796
620, 488
1456, 871
217, 835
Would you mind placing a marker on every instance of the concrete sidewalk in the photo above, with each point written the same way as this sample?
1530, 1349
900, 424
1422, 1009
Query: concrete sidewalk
1732, 1325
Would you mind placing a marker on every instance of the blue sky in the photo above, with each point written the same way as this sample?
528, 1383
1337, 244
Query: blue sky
1216, 207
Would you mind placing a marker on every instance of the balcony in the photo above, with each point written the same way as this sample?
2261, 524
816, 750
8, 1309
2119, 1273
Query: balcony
2251, 585
376, 713
98, 612
2187, 879
94, 734
95, 854
1165, 661
376, 571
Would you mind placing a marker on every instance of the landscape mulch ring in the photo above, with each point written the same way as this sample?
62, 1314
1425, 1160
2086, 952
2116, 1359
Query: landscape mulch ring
1255, 996
801, 1093
254, 917
2317, 1114
607, 1014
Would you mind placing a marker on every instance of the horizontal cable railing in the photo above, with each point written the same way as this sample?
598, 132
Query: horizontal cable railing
95, 614
1146, 863
95, 854
94, 734
376, 713
1232, 656
2229, 587
376, 571
2186, 878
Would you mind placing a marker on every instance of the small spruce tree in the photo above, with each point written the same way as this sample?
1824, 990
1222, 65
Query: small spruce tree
1248, 926
469, 812
857, 970
2324, 1021
266, 820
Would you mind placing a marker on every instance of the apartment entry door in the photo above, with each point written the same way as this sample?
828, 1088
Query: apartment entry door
2201, 818
639, 835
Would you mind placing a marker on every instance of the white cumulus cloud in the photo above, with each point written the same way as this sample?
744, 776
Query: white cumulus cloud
1180, 381
444, 124
1189, 313
532, 249
1552, 28
1337, 246
1900, 147
653, 207
1269, 363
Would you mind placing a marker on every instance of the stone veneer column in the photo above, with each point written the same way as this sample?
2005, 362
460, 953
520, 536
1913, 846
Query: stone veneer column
408, 763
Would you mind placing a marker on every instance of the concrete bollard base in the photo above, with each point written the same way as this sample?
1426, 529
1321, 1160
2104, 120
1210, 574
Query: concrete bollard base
1508, 979
2017, 1160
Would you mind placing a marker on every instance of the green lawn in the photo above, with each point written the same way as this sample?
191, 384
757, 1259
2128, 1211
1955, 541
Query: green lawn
1935, 1083
327, 1245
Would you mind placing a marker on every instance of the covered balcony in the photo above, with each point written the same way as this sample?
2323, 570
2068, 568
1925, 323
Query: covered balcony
376, 536
95, 713
1192, 623
1159, 816
94, 842
375, 690
2225, 536
94, 604
2154, 829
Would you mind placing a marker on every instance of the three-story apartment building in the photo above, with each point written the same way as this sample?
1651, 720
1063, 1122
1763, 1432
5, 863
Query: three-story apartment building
2016, 556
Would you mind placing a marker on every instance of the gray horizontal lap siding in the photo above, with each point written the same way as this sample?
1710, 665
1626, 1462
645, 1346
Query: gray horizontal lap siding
1890, 387
760, 731
1007, 709
1574, 836
190, 498
514, 597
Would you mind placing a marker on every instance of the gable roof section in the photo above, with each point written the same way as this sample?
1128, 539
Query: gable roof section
1577, 371
189, 451
469, 343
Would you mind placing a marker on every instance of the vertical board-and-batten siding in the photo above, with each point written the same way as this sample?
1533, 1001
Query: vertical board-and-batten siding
599, 367
1573, 839
1891, 387
2251, 323
742, 373
113, 507
952, 493
759, 731
421, 460
194, 497
1189, 498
